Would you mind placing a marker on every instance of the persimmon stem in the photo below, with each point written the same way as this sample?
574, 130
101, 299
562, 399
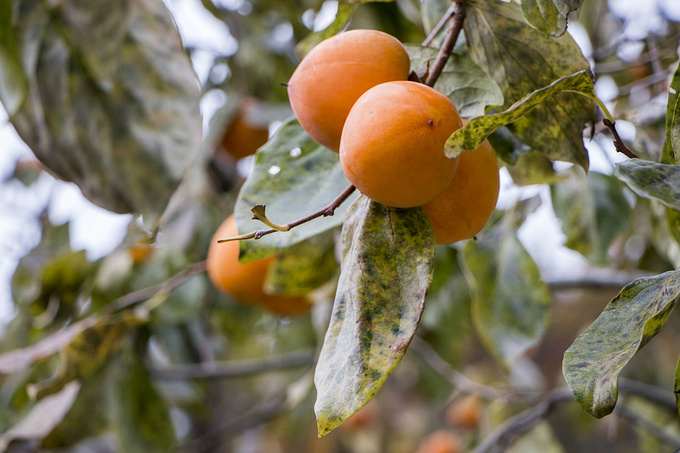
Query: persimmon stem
324, 212
618, 143
455, 26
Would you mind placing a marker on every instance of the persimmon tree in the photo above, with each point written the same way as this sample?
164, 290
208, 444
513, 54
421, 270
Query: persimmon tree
138, 351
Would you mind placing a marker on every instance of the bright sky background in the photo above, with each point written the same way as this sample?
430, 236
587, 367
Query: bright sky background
98, 231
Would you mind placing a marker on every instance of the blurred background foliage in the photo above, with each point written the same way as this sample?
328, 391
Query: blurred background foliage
137, 351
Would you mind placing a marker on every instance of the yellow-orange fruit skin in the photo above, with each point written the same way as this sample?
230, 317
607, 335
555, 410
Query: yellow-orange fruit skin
462, 210
392, 146
335, 73
245, 282
242, 138
441, 441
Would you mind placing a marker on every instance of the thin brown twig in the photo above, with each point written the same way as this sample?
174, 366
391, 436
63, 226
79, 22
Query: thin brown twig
230, 369
618, 143
455, 26
324, 212
166, 286
501, 437
440, 25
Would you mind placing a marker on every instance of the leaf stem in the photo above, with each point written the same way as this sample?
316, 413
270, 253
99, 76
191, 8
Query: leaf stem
456, 19
323, 212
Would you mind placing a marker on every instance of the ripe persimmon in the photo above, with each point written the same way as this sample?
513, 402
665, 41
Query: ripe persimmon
465, 412
243, 136
441, 441
392, 146
335, 73
462, 210
245, 282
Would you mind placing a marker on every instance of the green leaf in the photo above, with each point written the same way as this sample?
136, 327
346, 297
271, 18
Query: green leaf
477, 129
676, 386
671, 150
47, 414
470, 89
510, 302
659, 182
522, 60
341, 20
85, 344
113, 100
13, 82
533, 168
303, 267
593, 211
293, 176
140, 416
387, 266
549, 16
593, 362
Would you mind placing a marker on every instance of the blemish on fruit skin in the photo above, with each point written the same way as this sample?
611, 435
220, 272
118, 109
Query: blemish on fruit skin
431, 123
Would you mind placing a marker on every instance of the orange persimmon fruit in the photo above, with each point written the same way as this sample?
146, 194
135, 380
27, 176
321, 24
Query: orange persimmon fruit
392, 145
464, 207
441, 441
245, 282
336, 72
243, 136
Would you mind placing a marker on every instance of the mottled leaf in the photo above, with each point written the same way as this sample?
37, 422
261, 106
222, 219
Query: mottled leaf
342, 17
304, 266
593, 362
549, 16
477, 129
293, 176
140, 416
43, 417
470, 89
85, 344
113, 100
593, 211
510, 303
13, 81
672, 145
387, 265
659, 182
533, 168
522, 60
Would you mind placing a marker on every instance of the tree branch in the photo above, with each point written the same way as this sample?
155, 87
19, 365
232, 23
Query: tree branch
441, 24
455, 26
230, 369
500, 438
324, 212
636, 419
166, 286
618, 143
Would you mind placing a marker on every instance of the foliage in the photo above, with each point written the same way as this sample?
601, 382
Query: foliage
137, 351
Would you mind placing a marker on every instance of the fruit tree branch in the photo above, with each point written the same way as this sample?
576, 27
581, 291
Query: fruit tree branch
441, 24
235, 368
618, 143
259, 214
455, 26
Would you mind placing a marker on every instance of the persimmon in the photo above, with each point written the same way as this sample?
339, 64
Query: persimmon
243, 136
464, 207
465, 412
441, 441
392, 146
336, 72
245, 282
